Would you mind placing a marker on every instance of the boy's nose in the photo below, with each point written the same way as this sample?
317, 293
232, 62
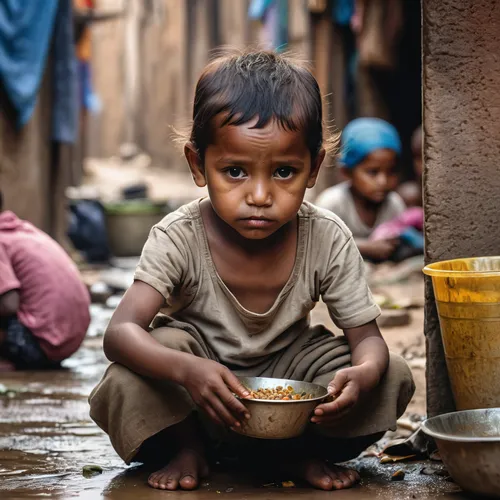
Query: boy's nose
259, 194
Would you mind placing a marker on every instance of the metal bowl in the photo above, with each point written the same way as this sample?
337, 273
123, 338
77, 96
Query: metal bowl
279, 419
469, 444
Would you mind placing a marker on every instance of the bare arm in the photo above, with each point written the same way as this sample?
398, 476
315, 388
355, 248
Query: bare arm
376, 250
370, 359
369, 352
9, 303
209, 383
127, 342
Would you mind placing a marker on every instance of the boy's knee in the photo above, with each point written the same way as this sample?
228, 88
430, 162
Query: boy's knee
400, 371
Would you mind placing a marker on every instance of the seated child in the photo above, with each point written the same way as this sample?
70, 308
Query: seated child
237, 274
44, 306
411, 191
369, 151
407, 227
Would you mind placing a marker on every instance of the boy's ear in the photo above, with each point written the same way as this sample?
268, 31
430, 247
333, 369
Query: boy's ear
315, 166
195, 164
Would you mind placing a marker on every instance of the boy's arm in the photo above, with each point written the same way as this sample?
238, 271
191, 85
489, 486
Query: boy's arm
370, 359
9, 303
127, 342
376, 250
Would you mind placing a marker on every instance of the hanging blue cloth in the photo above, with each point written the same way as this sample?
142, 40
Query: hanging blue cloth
25, 33
64, 76
343, 10
274, 15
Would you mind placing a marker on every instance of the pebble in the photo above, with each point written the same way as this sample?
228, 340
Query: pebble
399, 475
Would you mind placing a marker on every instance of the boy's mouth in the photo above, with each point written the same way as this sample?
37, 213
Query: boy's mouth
257, 222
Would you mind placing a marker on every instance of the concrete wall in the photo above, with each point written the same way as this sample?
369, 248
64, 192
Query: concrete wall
461, 68
33, 172
172, 49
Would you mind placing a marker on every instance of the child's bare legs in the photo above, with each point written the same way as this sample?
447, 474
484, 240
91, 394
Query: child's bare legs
322, 475
317, 469
188, 464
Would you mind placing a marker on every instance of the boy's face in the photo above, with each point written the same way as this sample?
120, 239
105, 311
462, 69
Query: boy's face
256, 178
375, 177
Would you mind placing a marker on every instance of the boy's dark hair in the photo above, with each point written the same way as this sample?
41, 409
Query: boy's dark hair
259, 84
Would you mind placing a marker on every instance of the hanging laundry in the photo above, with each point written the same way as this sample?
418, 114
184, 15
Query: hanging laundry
343, 10
64, 77
25, 33
274, 16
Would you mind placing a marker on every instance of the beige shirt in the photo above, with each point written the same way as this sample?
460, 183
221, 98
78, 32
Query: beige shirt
339, 200
176, 261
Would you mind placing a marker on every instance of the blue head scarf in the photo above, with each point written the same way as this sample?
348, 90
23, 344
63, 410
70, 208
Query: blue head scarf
365, 135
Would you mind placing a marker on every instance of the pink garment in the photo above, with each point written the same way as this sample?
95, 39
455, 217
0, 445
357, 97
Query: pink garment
412, 217
54, 303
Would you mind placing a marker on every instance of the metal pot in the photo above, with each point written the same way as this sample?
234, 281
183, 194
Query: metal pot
279, 419
469, 444
128, 224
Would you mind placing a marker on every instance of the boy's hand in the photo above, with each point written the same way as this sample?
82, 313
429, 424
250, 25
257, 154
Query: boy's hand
346, 388
211, 386
383, 249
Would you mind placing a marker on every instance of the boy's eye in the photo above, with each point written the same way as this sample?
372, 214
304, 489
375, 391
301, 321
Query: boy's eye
235, 172
284, 172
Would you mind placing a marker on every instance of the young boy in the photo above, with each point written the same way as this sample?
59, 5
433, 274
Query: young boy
237, 274
370, 149
44, 306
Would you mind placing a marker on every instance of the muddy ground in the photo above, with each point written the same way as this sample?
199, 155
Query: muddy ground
47, 437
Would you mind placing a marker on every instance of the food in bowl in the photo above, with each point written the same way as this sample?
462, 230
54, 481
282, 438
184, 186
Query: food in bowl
279, 393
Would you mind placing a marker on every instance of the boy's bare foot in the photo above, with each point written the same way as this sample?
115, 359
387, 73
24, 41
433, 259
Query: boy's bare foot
324, 476
183, 472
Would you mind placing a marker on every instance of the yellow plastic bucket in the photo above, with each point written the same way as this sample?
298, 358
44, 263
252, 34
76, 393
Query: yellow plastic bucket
467, 295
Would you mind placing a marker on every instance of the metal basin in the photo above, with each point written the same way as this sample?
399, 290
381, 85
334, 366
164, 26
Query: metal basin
469, 444
279, 419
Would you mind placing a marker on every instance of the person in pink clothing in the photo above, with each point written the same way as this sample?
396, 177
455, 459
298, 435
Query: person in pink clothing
44, 306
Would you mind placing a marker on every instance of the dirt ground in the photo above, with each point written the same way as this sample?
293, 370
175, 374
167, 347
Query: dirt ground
47, 437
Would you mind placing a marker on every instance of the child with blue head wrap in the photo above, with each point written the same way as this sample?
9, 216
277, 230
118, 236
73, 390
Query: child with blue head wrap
370, 148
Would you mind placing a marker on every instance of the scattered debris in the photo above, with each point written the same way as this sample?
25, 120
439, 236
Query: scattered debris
100, 292
399, 475
90, 471
388, 459
288, 484
8, 393
428, 471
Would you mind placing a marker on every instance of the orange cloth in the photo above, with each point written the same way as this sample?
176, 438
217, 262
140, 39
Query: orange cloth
84, 45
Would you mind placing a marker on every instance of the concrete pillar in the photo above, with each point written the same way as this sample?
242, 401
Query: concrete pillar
461, 64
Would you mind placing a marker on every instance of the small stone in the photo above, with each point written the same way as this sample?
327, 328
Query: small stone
288, 484
428, 471
394, 317
90, 471
229, 490
399, 475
